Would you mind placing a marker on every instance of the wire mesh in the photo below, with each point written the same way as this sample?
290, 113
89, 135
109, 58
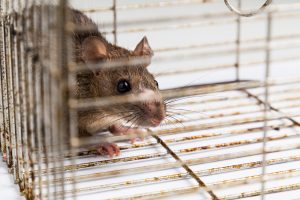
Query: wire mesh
228, 138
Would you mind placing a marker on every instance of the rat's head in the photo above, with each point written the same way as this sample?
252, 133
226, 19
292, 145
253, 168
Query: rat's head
127, 79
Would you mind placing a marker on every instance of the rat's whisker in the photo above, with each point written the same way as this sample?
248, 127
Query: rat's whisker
173, 113
170, 101
136, 119
131, 120
139, 110
123, 117
170, 121
179, 114
177, 120
165, 122
113, 114
189, 111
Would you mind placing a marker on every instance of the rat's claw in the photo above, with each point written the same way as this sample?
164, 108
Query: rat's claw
109, 148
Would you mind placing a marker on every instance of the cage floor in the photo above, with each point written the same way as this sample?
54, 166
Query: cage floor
218, 137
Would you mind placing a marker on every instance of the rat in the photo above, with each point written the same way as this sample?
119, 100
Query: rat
91, 47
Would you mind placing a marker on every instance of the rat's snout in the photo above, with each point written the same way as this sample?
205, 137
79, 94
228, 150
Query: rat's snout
153, 108
155, 112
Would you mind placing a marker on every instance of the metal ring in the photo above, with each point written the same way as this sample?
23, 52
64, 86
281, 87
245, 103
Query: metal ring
250, 13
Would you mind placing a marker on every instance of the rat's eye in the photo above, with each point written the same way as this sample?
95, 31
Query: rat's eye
123, 86
156, 83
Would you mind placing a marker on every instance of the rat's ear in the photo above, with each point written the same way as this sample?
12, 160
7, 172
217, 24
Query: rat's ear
93, 49
143, 48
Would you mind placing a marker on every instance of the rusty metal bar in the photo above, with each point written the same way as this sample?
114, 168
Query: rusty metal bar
206, 172
30, 92
18, 102
285, 174
185, 190
11, 96
16, 89
283, 188
26, 187
217, 185
200, 136
195, 161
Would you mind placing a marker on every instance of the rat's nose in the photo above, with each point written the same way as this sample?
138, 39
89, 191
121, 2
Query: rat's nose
155, 111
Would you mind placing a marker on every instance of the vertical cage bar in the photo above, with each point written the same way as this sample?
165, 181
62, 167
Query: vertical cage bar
25, 54
63, 92
238, 43
115, 21
30, 119
37, 93
73, 119
2, 63
22, 96
11, 96
8, 156
29, 81
45, 91
266, 101
16, 91
52, 71
18, 57
53, 85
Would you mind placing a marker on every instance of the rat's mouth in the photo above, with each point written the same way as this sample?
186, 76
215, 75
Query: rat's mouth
151, 122
146, 121
155, 122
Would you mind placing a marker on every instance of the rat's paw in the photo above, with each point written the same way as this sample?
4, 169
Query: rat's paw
123, 130
107, 148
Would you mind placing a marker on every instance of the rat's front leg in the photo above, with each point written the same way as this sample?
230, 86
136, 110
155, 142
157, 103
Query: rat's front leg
104, 148
112, 149
94, 123
124, 130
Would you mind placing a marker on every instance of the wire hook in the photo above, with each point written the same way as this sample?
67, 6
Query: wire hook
249, 13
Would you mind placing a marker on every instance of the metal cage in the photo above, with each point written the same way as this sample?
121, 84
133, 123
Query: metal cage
233, 136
